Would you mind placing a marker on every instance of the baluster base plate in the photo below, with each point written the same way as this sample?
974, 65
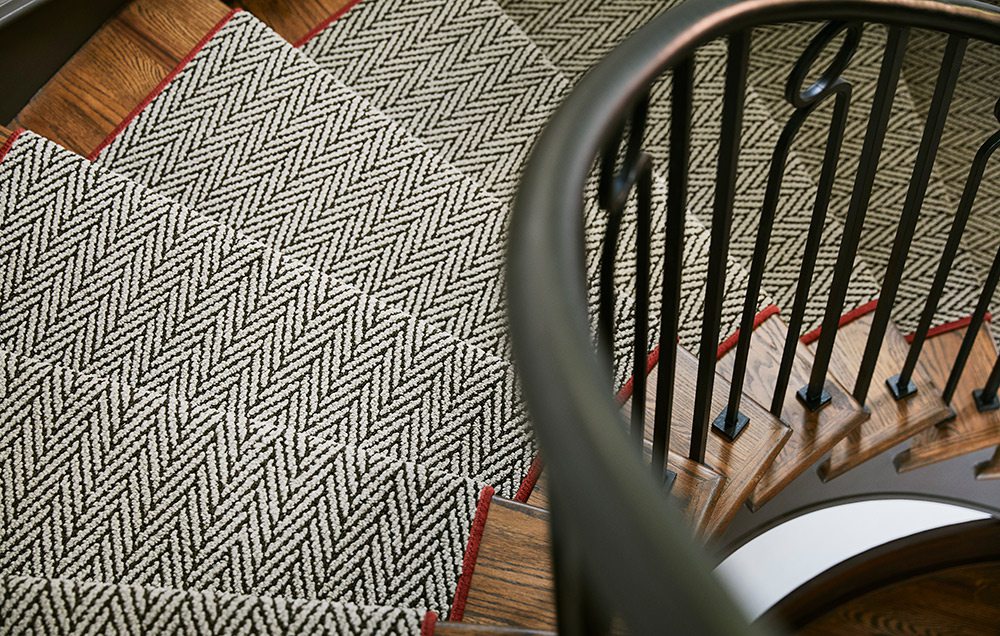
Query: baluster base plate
899, 392
730, 432
992, 403
811, 404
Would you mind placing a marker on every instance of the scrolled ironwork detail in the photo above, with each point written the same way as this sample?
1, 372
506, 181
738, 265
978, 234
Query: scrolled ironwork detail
801, 97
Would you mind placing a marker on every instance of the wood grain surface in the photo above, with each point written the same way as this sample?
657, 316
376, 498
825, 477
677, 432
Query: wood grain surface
294, 19
891, 421
963, 600
970, 430
512, 584
116, 69
742, 462
813, 433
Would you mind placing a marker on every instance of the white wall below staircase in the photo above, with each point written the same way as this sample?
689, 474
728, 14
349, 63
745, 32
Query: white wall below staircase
770, 566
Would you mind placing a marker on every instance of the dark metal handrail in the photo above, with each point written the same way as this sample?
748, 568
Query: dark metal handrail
620, 550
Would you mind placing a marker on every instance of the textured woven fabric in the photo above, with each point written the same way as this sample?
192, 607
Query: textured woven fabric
971, 121
348, 191
103, 276
105, 482
576, 35
50, 607
776, 50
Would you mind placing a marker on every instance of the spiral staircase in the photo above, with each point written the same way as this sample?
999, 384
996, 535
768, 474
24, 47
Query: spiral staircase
289, 289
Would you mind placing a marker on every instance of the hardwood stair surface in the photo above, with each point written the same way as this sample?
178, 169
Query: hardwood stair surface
696, 490
970, 430
742, 462
813, 433
294, 19
891, 421
512, 583
116, 69
990, 469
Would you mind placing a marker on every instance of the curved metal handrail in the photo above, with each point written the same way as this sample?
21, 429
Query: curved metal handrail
646, 562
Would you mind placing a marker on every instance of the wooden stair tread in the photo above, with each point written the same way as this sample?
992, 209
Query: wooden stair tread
512, 583
468, 629
696, 490
970, 430
742, 463
891, 422
813, 434
990, 469
294, 19
116, 69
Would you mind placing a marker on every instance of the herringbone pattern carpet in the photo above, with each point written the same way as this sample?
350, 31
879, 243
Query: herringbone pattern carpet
255, 368
52, 606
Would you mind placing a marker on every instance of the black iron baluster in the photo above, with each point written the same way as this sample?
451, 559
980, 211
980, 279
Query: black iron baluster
975, 324
986, 397
838, 123
946, 81
681, 101
814, 395
640, 349
948, 256
613, 192
805, 100
722, 215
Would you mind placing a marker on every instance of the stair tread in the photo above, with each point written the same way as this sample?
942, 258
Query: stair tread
743, 462
696, 489
970, 430
512, 584
116, 69
813, 433
891, 422
391, 52
990, 469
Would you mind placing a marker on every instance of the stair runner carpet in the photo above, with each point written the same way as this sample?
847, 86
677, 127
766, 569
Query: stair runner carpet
161, 297
110, 484
576, 35
376, 44
36, 605
187, 409
349, 192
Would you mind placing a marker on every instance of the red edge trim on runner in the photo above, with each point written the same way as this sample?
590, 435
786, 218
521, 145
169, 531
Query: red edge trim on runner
727, 345
529, 481
471, 554
427, 625
7, 145
847, 318
949, 326
162, 85
316, 30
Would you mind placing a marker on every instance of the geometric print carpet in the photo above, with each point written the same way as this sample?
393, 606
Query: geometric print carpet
255, 372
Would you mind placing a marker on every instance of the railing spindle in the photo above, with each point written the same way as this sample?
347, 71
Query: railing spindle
805, 100
681, 98
943, 91
975, 324
738, 51
838, 123
948, 256
986, 397
640, 349
814, 395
